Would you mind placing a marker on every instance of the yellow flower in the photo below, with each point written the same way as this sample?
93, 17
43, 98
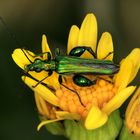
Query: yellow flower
99, 100
131, 128
132, 116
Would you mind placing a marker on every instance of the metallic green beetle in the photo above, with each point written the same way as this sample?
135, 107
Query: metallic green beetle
72, 64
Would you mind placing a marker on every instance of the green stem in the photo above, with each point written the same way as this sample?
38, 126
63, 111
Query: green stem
76, 130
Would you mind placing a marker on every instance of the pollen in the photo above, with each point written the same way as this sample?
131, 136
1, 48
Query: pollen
75, 99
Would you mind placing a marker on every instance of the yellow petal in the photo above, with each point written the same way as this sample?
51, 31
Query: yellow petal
105, 47
44, 92
131, 111
41, 105
95, 118
88, 32
128, 70
67, 115
123, 76
45, 47
37, 100
134, 57
133, 99
51, 80
118, 99
73, 38
21, 59
47, 122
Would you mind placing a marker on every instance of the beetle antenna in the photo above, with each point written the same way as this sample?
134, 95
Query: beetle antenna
26, 55
40, 81
12, 36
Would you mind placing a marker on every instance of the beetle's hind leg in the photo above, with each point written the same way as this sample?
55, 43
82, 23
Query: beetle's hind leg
79, 50
60, 81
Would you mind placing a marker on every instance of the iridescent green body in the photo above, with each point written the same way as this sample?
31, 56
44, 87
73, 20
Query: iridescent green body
72, 64
77, 65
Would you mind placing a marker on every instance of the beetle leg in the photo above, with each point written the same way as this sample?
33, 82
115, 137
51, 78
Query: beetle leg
91, 52
108, 55
46, 85
79, 50
60, 81
83, 81
49, 74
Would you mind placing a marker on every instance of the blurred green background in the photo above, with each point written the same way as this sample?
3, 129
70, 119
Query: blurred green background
28, 20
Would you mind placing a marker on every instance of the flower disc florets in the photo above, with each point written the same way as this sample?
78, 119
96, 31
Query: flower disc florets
98, 95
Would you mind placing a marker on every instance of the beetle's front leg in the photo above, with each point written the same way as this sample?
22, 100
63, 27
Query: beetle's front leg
83, 81
49, 74
79, 50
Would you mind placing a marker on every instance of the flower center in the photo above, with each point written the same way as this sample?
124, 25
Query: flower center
98, 94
